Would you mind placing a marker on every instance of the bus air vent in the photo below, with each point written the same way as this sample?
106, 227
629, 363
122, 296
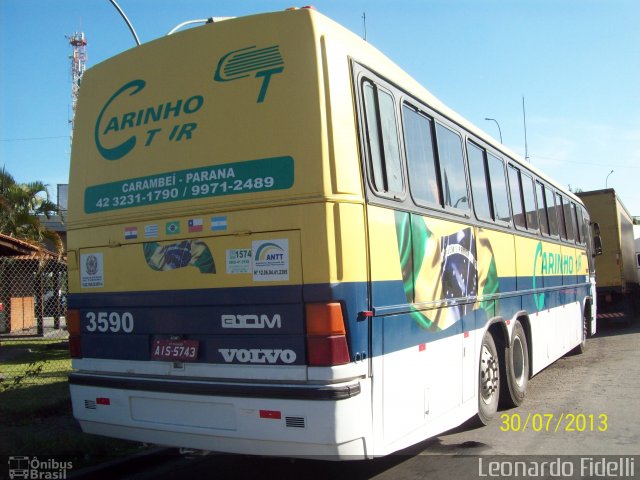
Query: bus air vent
295, 422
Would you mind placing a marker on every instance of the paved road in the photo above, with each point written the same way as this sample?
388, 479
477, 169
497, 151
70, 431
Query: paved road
596, 394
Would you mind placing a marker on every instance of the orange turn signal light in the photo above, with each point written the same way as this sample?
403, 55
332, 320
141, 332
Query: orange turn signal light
324, 319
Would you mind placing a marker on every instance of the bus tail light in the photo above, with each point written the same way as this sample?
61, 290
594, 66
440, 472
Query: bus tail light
73, 327
326, 335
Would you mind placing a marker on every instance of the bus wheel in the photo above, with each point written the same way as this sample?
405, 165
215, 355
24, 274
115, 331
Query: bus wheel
488, 381
515, 368
582, 346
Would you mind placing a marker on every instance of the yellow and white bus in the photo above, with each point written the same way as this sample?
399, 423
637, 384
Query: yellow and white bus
281, 244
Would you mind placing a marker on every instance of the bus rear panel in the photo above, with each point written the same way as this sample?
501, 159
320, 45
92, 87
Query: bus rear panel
211, 305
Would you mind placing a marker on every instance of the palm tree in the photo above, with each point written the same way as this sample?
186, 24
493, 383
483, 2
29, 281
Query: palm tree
21, 207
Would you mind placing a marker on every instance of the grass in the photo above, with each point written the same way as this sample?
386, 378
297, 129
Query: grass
35, 407
33, 362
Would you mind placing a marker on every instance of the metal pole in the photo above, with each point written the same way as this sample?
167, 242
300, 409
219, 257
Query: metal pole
133, 32
364, 25
499, 129
524, 118
607, 180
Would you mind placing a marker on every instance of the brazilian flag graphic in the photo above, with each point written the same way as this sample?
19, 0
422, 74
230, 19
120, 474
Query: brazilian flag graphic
438, 264
194, 253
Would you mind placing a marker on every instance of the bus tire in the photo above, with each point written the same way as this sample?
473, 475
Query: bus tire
582, 346
515, 368
488, 380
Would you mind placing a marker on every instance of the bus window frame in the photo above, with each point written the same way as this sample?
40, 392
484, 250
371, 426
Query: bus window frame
562, 221
549, 191
516, 170
531, 179
361, 74
540, 196
464, 212
577, 235
499, 221
486, 179
367, 77
421, 203
486, 153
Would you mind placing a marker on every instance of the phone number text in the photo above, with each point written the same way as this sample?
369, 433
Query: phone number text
184, 193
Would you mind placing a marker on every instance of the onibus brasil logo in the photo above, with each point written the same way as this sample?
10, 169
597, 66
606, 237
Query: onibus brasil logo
167, 119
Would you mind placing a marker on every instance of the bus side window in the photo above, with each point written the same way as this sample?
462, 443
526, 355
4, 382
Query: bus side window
479, 183
528, 195
562, 224
584, 226
498, 185
552, 211
418, 139
542, 210
382, 135
575, 220
566, 206
516, 198
452, 170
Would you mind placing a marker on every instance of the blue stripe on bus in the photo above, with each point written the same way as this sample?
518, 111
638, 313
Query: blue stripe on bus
254, 349
196, 314
181, 319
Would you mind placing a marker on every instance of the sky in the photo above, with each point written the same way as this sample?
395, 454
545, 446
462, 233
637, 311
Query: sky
576, 63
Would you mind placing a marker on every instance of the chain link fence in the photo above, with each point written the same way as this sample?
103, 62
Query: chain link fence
33, 333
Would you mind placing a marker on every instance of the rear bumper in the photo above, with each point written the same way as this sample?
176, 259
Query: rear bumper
190, 387
310, 421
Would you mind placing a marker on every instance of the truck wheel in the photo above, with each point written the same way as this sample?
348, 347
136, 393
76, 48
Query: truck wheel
488, 380
515, 368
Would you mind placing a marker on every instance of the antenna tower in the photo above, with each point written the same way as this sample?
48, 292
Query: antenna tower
78, 59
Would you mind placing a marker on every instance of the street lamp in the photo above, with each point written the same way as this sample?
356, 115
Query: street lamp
499, 129
124, 17
607, 179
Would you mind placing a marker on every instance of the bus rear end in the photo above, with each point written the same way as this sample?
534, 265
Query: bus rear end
210, 306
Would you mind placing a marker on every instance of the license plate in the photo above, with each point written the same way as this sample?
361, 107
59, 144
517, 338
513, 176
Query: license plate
175, 350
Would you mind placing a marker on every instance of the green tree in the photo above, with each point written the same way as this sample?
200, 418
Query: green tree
22, 205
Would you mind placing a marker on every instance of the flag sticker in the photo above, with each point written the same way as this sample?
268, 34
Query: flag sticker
194, 225
130, 233
218, 223
150, 231
171, 228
